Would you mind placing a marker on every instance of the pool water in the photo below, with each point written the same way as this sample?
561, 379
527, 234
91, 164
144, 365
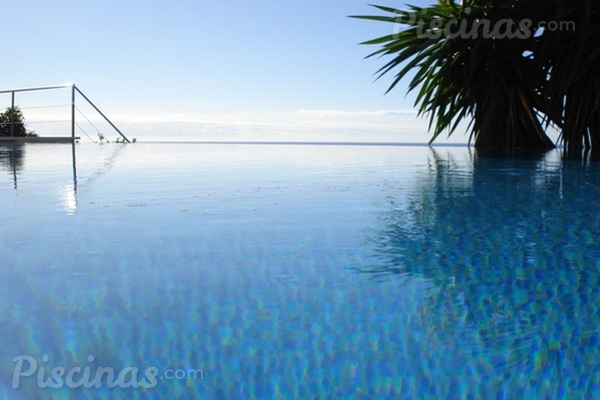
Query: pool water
297, 272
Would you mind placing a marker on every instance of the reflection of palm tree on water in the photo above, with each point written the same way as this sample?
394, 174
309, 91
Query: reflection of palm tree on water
509, 265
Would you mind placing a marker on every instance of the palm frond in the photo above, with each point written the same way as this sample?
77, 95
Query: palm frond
507, 88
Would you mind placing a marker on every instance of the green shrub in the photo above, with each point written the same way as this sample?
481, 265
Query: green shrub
13, 116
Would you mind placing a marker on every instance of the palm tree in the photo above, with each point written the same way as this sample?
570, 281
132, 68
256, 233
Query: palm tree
571, 61
486, 60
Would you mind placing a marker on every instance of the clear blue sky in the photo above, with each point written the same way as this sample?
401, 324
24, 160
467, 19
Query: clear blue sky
256, 61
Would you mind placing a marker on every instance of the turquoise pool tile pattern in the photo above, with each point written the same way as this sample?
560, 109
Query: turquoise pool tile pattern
297, 272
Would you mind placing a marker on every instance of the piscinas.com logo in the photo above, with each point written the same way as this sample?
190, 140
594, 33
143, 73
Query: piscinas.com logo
54, 377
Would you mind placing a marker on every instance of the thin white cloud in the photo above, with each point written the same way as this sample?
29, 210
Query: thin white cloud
347, 113
399, 125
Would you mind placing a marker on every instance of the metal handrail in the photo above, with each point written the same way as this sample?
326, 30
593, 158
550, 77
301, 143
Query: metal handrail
65, 85
74, 89
99, 112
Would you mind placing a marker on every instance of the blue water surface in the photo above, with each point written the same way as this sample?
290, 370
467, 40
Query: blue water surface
297, 272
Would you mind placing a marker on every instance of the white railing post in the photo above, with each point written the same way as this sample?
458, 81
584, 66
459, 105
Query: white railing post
73, 112
12, 115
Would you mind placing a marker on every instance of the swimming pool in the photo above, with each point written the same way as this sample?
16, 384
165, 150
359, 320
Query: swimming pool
200, 271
